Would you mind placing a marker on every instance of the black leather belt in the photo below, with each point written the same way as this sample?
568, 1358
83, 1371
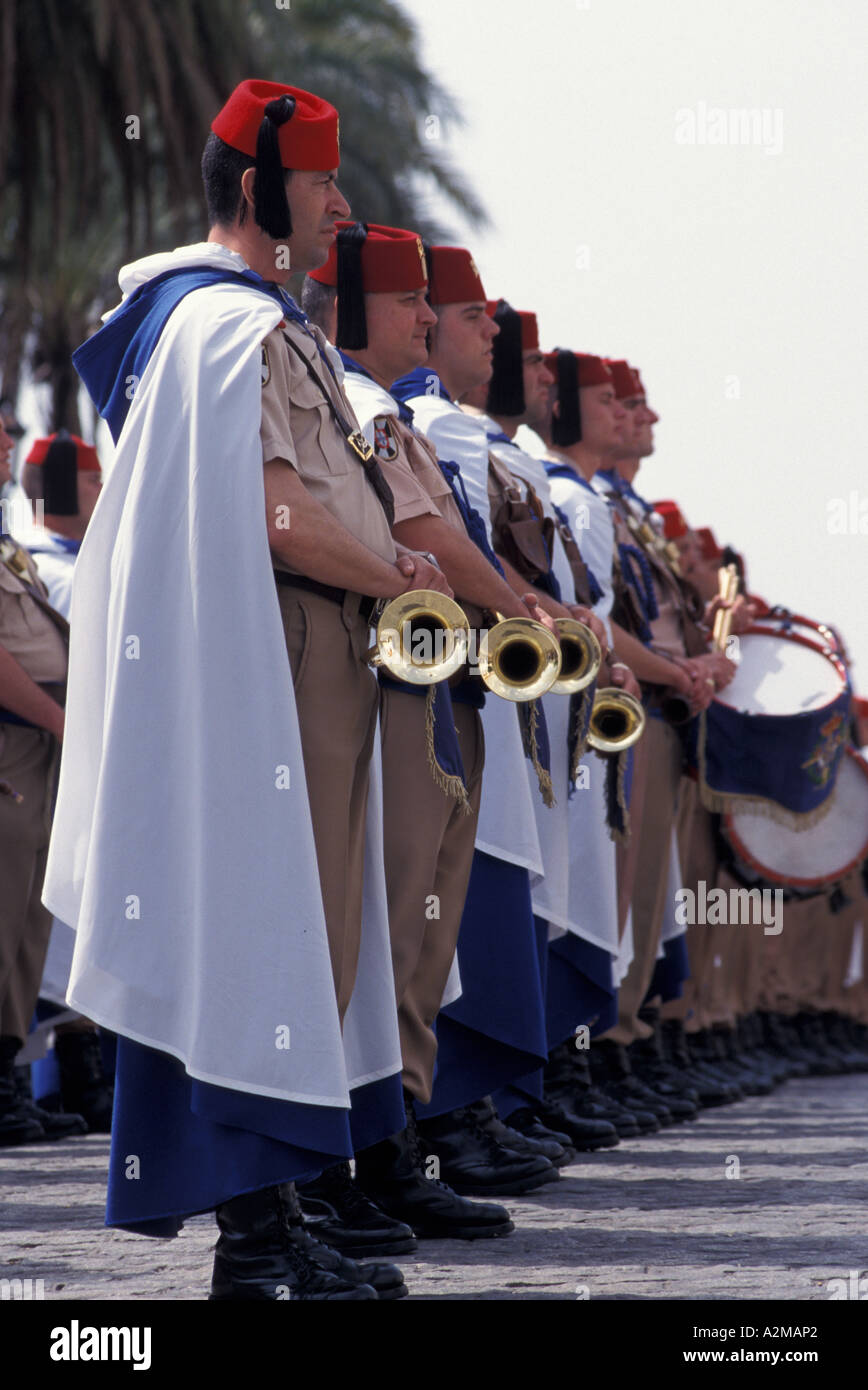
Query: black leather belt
313, 586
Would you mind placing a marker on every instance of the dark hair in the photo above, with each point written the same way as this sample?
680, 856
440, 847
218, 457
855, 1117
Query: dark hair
318, 302
567, 420
222, 167
506, 387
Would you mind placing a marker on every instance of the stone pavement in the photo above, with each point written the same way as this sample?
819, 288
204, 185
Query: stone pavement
656, 1218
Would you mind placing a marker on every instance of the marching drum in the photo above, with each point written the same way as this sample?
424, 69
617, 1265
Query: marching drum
806, 861
777, 732
781, 620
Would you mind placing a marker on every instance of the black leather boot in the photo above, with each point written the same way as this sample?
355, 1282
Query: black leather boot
813, 1038
543, 1143
474, 1164
712, 1091
17, 1124
569, 1086
780, 1045
55, 1125
392, 1173
340, 1215
651, 1066
84, 1087
837, 1034
611, 1070
264, 1252
705, 1062
751, 1079
525, 1122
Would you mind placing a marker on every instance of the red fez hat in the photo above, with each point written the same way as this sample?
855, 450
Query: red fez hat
674, 525
369, 259
590, 370
572, 370
639, 388
392, 260
453, 276
308, 139
529, 329
86, 460
625, 379
707, 544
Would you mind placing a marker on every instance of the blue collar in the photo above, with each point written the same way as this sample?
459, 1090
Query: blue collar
562, 470
422, 381
405, 414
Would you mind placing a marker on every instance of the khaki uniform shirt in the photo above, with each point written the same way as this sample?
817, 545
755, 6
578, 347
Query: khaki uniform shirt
298, 426
409, 464
26, 631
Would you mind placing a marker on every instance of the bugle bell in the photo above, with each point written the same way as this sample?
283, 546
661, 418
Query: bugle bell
617, 721
519, 658
581, 657
422, 637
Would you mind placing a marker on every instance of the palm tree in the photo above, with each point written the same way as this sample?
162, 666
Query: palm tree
103, 110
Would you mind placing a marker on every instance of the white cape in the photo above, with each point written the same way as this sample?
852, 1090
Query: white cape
507, 820
180, 855
579, 890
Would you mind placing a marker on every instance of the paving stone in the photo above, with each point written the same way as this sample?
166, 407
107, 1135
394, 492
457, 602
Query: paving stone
656, 1218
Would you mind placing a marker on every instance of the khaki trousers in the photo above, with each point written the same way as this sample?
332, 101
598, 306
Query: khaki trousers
699, 863
627, 856
28, 761
654, 832
336, 697
429, 852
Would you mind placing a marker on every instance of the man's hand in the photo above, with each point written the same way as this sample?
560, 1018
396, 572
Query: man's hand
622, 677
538, 614
743, 611
584, 615
419, 573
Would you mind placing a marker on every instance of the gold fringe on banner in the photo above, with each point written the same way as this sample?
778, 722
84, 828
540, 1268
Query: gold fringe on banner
580, 721
621, 837
448, 782
736, 803
543, 775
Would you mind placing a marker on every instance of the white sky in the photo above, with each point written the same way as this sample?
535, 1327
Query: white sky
705, 262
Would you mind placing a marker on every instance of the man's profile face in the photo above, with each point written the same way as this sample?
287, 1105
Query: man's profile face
398, 325
316, 204
644, 420
538, 382
462, 343
602, 417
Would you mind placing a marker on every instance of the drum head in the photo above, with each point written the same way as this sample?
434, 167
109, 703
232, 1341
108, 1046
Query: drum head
815, 857
782, 674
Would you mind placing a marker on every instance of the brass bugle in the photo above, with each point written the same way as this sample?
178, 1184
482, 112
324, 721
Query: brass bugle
519, 658
422, 637
675, 707
581, 657
617, 721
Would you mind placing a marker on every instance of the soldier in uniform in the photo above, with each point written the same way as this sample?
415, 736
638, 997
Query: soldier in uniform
61, 478
381, 326
575, 900
262, 877
33, 666
63, 474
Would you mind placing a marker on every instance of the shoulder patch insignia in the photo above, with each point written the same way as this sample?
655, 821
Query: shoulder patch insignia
385, 444
266, 366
